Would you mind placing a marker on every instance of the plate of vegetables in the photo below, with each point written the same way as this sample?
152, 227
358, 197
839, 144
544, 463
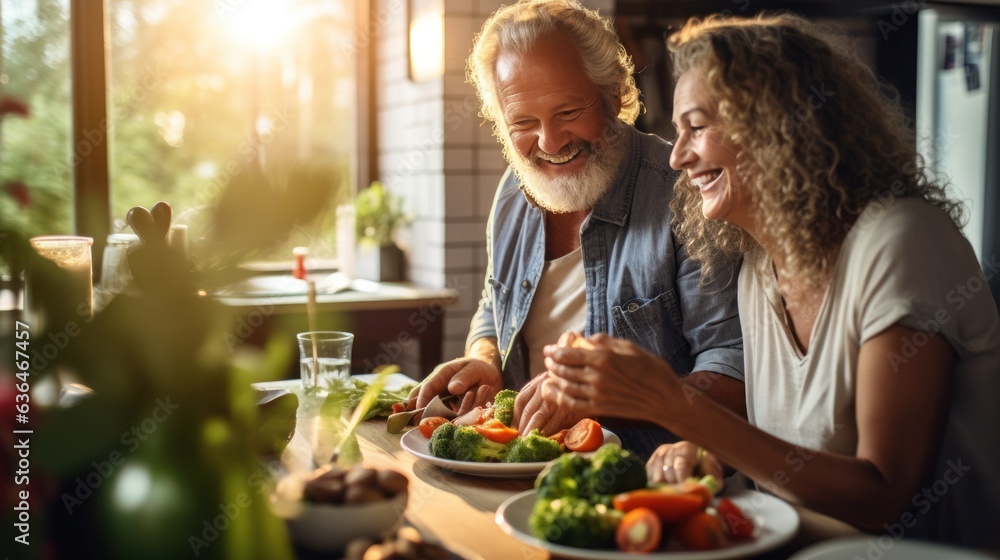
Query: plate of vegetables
482, 443
577, 510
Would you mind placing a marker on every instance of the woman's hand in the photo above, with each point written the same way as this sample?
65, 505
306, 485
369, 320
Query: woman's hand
614, 378
676, 462
531, 410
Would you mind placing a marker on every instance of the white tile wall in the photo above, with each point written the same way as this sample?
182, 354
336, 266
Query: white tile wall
458, 40
486, 184
459, 258
490, 159
487, 7
460, 196
485, 132
459, 160
463, 7
434, 150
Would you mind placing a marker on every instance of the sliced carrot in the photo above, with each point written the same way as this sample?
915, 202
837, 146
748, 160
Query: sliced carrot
669, 506
494, 430
693, 488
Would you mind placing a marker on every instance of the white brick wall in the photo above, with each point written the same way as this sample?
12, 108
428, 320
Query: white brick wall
434, 152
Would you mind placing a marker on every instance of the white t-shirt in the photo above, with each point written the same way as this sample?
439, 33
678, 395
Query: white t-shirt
902, 263
559, 305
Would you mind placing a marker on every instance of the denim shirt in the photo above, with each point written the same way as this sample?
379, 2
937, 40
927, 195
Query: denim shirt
640, 283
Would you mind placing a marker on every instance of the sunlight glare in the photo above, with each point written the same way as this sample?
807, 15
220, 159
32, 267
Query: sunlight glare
259, 22
133, 487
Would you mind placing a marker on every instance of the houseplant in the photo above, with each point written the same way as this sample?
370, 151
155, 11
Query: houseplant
378, 214
160, 461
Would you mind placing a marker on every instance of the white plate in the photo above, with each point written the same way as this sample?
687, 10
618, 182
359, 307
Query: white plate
394, 382
776, 523
414, 442
285, 285
859, 547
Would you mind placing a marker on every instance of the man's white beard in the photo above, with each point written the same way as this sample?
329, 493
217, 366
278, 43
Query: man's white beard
581, 190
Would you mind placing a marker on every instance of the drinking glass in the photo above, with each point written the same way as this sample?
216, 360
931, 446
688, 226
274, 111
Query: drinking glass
324, 358
72, 254
325, 363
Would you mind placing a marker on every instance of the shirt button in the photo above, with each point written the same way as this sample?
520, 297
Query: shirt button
525, 284
633, 307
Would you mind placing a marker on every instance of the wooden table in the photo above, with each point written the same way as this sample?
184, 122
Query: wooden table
384, 317
458, 510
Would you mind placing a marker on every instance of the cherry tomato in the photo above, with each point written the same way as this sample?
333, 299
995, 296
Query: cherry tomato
494, 430
701, 531
639, 531
428, 425
586, 435
559, 437
738, 525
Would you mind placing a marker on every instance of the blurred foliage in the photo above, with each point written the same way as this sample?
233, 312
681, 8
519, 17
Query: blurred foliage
378, 214
36, 151
172, 427
192, 105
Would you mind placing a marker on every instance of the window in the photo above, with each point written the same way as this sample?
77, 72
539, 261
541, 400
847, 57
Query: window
201, 90
197, 92
35, 152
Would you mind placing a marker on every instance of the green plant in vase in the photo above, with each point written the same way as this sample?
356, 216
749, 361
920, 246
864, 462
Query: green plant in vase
378, 214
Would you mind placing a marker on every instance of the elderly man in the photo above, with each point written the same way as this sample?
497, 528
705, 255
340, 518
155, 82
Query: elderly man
579, 236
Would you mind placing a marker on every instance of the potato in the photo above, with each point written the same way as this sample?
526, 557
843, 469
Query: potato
391, 482
325, 490
361, 476
362, 495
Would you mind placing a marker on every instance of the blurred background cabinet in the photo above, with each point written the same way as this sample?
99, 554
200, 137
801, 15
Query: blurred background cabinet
943, 59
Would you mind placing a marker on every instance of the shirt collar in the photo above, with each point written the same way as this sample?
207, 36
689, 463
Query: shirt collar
614, 206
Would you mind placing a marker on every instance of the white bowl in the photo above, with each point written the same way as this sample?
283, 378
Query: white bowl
329, 527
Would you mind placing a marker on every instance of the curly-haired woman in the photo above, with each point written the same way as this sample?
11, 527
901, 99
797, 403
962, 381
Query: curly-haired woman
872, 344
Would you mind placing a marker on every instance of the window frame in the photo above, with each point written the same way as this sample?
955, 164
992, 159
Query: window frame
91, 180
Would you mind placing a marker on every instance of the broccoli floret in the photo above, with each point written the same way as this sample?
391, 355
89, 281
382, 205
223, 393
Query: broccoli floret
442, 441
464, 443
562, 477
533, 448
470, 445
503, 406
574, 522
614, 470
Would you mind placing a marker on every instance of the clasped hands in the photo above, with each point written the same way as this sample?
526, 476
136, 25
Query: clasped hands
600, 376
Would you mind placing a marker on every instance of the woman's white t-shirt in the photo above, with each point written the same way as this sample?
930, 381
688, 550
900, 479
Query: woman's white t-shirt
903, 262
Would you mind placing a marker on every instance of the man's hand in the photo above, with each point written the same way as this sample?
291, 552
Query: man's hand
532, 411
676, 462
479, 381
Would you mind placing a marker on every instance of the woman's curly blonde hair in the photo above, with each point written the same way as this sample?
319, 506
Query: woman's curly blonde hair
515, 29
819, 140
